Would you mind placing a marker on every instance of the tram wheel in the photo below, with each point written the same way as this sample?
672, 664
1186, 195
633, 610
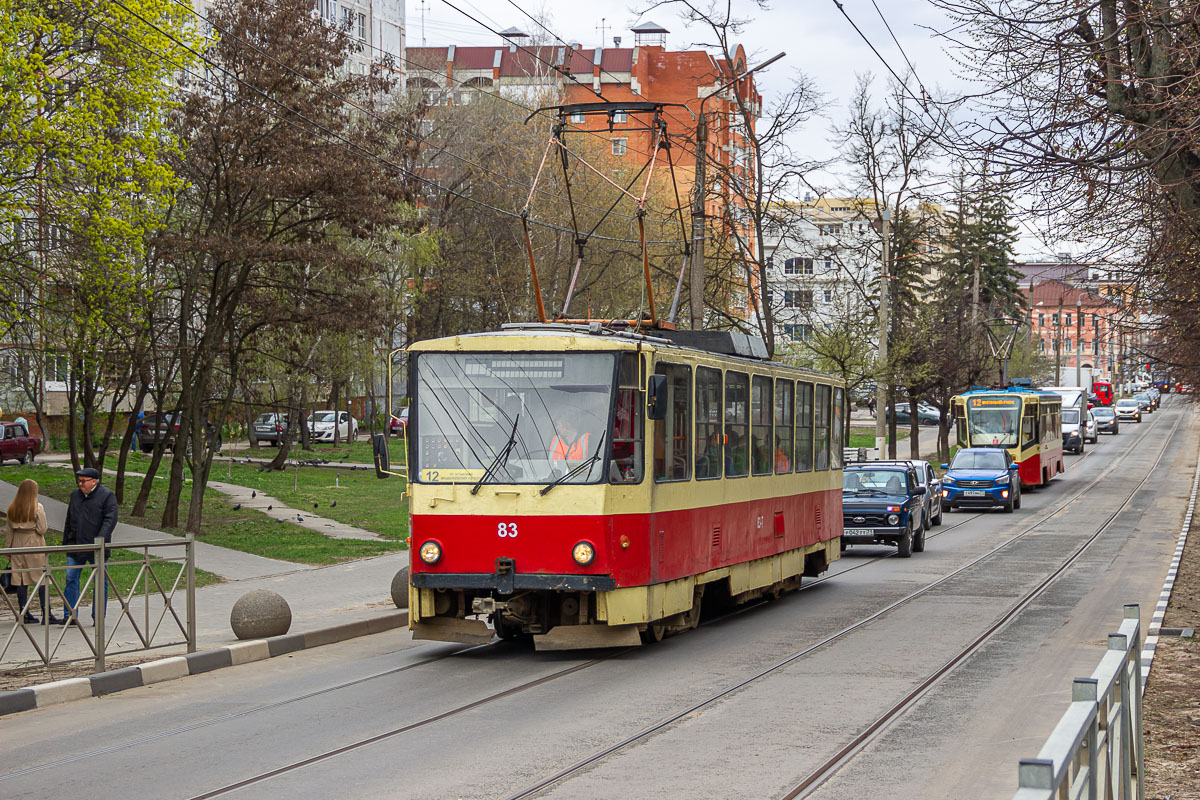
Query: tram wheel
654, 631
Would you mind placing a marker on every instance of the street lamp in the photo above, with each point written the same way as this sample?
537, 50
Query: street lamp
697, 277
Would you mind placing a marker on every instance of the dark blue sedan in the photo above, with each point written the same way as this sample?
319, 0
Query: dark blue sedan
981, 477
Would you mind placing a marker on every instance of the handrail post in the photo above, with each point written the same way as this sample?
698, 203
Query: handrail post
190, 547
99, 591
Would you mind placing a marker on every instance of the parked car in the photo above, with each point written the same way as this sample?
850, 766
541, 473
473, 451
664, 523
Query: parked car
981, 477
1143, 401
1106, 420
883, 504
270, 427
933, 489
165, 425
926, 415
1129, 408
320, 426
17, 444
1074, 431
398, 425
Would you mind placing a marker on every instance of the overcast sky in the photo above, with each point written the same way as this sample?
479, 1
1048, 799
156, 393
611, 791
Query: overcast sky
818, 39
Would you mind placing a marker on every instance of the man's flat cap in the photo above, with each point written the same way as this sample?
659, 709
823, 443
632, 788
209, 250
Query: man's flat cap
88, 472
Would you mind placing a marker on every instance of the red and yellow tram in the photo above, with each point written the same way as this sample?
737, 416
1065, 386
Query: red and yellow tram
1026, 422
587, 486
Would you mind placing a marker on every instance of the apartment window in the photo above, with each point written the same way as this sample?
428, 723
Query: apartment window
620, 116
577, 118
1054, 319
1068, 344
362, 26
798, 331
1041, 320
798, 298
708, 423
618, 146
329, 10
828, 295
830, 229
798, 266
347, 19
828, 263
761, 410
737, 419
1068, 321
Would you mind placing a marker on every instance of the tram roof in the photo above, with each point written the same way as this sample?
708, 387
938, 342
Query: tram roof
534, 337
1023, 391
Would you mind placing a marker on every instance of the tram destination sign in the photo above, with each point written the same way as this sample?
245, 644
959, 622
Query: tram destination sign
993, 402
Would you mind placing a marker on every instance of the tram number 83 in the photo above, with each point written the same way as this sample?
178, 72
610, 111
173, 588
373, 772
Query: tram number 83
506, 530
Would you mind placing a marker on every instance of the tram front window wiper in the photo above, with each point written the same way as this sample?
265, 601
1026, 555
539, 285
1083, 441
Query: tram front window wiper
501, 458
577, 468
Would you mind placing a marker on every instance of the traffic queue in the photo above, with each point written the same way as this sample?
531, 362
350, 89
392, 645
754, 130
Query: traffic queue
1007, 440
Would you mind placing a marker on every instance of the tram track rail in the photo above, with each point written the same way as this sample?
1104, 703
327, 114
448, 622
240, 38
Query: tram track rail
873, 730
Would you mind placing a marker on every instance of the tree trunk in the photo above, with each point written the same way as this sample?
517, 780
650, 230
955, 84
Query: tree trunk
335, 403
914, 429
127, 442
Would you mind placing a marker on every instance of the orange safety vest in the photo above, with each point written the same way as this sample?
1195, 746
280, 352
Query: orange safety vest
561, 451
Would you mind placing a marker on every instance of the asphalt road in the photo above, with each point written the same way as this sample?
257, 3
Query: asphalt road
420, 720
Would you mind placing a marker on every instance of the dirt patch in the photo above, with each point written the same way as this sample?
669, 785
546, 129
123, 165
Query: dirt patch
34, 675
1171, 713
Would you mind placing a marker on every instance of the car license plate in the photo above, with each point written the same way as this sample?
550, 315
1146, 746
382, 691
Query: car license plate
974, 493
857, 531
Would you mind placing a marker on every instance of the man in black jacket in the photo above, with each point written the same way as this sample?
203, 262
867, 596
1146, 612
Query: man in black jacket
91, 515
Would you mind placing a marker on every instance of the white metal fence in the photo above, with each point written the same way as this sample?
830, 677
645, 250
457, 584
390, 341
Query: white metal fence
1095, 751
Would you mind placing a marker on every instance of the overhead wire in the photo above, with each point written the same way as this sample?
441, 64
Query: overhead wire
319, 127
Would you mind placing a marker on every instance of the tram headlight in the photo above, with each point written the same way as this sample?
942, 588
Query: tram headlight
583, 553
430, 552
893, 519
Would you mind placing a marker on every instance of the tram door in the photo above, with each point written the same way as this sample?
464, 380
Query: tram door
671, 449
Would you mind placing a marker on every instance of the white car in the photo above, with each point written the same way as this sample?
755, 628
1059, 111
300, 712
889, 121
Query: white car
1092, 432
1128, 409
320, 426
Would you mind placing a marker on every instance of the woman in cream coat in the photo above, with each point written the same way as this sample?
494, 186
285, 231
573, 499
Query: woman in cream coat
26, 527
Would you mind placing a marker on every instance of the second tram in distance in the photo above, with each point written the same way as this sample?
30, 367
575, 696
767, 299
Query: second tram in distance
588, 486
1026, 422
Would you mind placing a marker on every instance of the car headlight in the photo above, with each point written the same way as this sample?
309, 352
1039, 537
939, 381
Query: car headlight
947, 481
893, 519
1074, 433
1003, 479
430, 552
583, 553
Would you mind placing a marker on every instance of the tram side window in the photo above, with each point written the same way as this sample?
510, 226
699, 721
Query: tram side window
672, 441
839, 400
626, 463
760, 418
737, 427
708, 423
821, 428
1029, 427
804, 426
785, 407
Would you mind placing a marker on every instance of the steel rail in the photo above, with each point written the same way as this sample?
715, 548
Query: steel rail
869, 734
673, 718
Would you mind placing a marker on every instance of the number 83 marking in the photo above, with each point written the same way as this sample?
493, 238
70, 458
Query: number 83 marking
506, 530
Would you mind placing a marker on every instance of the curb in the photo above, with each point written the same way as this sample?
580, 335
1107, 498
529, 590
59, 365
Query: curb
1164, 598
118, 680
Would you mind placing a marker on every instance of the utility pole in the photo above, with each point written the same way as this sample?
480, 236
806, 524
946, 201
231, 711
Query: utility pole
975, 293
1078, 340
696, 283
883, 397
1058, 326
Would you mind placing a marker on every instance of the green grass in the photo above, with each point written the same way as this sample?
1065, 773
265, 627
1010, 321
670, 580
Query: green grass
248, 530
865, 437
363, 500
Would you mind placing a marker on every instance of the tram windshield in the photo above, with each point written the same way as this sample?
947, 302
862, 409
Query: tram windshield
993, 422
512, 417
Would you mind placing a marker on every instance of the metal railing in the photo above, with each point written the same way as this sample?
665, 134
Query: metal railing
159, 577
1095, 751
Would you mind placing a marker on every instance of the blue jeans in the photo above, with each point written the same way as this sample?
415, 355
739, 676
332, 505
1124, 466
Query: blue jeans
75, 562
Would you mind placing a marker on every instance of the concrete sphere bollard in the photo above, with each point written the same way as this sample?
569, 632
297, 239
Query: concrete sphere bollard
259, 614
400, 589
